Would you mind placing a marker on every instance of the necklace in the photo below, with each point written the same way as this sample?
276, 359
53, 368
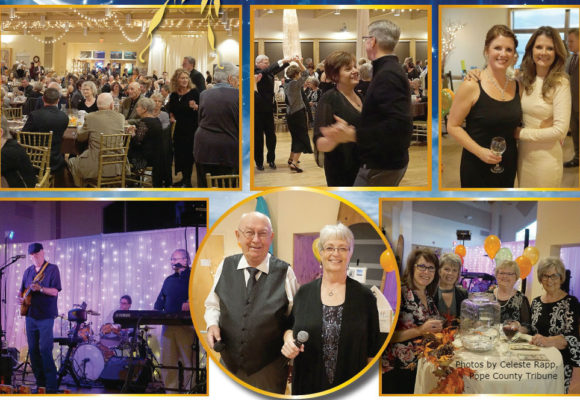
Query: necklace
493, 81
446, 290
331, 292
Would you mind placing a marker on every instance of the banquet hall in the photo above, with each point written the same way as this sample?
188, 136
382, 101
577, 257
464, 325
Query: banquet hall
115, 262
313, 34
484, 235
112, 47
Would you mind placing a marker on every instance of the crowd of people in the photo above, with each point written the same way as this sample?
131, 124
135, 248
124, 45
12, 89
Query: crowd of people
531, 112
430, 290
169, 117
334, 98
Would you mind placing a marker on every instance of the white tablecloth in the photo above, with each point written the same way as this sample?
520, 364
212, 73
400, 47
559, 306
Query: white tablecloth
496, 372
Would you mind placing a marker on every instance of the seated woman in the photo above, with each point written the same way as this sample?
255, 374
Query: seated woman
555, 316
514, 305
449, 295
340, 315
417, 317
89, 91
15, 165
146, 145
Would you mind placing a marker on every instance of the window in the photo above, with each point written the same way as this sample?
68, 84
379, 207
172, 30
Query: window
533, 227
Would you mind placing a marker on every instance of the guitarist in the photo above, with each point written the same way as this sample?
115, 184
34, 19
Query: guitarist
40, 284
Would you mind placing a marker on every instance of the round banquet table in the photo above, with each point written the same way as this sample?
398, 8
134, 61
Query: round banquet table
497, 372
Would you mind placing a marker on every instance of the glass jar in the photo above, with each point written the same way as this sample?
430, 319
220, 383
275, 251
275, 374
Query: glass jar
480, 322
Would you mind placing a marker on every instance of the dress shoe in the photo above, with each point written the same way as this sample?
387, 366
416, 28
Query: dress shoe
293, 167
572, 163
272, 164
260, 167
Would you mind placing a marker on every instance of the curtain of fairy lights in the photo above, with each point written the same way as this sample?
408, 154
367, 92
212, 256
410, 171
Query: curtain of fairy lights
291, 34
99, 270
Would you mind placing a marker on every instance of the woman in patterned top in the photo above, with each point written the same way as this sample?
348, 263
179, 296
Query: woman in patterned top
340, 316
514, 305
416, 319
554, 321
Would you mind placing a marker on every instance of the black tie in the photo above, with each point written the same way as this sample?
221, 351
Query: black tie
251, 281
573, 63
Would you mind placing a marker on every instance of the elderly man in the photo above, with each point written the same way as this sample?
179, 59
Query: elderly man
384, 138
247, 309
26, 88
50, 118
264, 110
195, 76
105, 121
127, 107
572, 70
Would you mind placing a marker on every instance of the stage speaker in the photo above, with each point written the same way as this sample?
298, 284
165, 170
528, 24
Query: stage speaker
6, 366
115, 373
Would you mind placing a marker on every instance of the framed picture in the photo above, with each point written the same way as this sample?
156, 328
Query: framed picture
86, 54
6, 56
130, 55
116, 55
100, 55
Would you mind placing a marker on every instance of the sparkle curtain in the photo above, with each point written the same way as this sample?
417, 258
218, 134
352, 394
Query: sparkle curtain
291, 34
168, 50
99, 270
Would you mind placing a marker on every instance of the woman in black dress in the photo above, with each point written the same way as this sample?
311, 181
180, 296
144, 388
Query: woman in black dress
341, 161
89, 92
555, 316
147, 144
449, 295
182, 108
514, 305
491, 107
340, 316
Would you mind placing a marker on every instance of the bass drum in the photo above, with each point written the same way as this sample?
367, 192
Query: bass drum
88, 361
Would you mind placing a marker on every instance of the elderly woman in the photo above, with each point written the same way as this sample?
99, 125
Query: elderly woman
146, 145
296, 113
216, 146
163, 116
366, 74
15, 166
159, 110
449, 295
418, 316
514, 305
340, 316
555, 316
182, 108
89, 91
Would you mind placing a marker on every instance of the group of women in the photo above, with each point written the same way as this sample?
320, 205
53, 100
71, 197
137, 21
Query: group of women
429, 291
531, 113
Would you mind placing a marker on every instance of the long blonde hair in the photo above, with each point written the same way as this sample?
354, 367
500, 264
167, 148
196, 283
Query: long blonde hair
556, 73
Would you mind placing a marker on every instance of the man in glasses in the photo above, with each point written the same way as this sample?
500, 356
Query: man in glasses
247, 309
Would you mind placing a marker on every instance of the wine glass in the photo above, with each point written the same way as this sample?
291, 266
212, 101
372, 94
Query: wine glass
497, 147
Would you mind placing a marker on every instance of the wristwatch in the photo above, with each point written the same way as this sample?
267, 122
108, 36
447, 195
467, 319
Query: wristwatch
41, 289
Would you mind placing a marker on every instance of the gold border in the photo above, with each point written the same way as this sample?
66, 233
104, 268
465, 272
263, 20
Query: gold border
170, 190
442, 7
203, 338
428, 7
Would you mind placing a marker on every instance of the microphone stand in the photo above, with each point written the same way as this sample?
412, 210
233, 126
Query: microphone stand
3, 298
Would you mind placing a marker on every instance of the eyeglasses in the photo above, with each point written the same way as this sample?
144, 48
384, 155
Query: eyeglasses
178, 258
423, 267
330, 250
553, 277
250, 234
367, 37
505, 274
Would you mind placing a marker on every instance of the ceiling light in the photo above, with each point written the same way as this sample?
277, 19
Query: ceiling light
336, 12
270, 11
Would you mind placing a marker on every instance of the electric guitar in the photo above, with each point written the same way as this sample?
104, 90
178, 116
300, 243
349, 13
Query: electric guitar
27, 295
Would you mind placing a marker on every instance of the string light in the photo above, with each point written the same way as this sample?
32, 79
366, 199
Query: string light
132, 40
450, 31
98, 21
50, 41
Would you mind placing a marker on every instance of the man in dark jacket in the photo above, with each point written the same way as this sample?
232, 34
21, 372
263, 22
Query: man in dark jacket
264, 110
384, 138
195, 76
50, 118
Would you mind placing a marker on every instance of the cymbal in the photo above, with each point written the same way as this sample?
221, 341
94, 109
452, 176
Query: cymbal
95, 313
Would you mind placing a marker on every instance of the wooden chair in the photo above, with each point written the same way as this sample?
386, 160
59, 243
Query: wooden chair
112, 153
37, 146
13, 113
222, 181
419, 135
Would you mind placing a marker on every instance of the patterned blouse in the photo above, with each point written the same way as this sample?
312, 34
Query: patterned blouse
516, 308
412, 314
560, 318
331, 323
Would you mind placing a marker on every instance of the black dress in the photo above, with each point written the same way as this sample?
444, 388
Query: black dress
516, 308
16, 166
560, 318
487, 119
185, 127
147, 145
341, 164
358, 339
93, 108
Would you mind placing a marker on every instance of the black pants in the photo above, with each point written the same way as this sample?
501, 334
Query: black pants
264, 125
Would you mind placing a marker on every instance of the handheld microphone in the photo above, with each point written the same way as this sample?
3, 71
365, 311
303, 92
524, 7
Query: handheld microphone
219, 346
301, 338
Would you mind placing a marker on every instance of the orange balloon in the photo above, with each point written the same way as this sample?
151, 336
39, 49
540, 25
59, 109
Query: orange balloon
315, 249
460, 250
525, 266
492, 245
532, 253
388, 260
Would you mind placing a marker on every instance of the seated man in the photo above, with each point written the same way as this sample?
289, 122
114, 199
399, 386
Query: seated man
129, 106
105, 121
15, 165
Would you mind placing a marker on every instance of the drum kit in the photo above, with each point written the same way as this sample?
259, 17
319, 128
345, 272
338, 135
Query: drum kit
88, 353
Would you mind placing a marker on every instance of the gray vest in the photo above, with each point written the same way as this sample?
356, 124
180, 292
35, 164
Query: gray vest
252, 329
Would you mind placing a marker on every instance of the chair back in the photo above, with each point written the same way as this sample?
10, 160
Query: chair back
13, 113
37, 146
222, 181
113, 156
